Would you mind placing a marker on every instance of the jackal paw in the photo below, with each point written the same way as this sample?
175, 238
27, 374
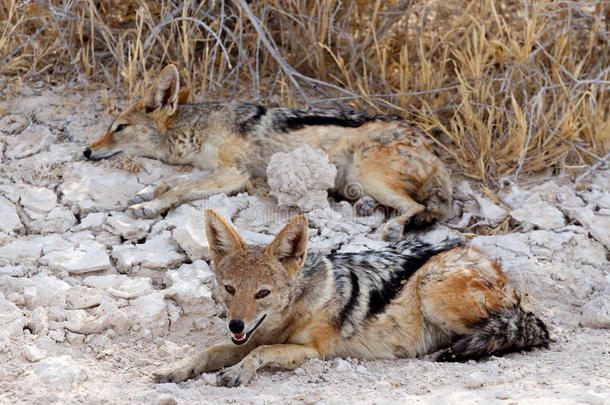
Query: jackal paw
173, 374
393, 231
148, 209
365, 206
234, 376
146, 194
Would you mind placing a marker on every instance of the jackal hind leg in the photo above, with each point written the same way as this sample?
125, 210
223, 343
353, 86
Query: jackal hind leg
287, 356
222, 181
211, 359
162, 186
400, 201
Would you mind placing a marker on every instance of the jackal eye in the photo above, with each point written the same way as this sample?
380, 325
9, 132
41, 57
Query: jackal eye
230, 289
120, 127
261, 294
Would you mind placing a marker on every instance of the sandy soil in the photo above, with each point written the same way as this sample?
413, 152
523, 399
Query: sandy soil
93, 300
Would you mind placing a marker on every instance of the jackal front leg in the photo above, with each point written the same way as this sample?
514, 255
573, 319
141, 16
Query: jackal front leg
286, 356
227, 181
163, 185
211, 359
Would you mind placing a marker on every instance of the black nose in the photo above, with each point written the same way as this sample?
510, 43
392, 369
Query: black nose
87, 153
236, 326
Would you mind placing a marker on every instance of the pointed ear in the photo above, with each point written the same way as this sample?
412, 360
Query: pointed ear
183, 95
165, 91
223, 239
290, 245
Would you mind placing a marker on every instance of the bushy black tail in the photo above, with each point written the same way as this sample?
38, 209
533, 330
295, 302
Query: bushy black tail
503, 332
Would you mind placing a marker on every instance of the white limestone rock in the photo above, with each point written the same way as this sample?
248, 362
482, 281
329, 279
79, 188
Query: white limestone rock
191, 237
81, 297
199, 270
538, 214
264, 215
37, 202
597, 225
15, 271
105, 281
132, 288
159, 252
489, 210
93, 221
360, 243
89, 187
301, 177
41, 290
13, 123
20, 251
58, 220
189, 289
336, 226
127, 226
10, 315
26, 251
33, 139
87, 257
38, 322
33, 353
256, 239
596, 313
149, 314
558, 269
11, 222
60, 372
57, 335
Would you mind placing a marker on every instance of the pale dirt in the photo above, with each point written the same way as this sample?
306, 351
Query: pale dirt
564, 270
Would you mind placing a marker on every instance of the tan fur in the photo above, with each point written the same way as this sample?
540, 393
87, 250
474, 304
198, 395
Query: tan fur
445, 297
386, 160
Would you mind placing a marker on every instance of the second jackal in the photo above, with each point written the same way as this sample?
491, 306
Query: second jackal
285, 307
381, 156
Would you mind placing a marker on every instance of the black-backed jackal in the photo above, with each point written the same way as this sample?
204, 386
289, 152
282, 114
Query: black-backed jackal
285, 307
390, 162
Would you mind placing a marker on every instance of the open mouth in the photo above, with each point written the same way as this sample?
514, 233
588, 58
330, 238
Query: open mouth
241, 338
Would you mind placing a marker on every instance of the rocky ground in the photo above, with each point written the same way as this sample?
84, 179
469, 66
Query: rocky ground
93, 300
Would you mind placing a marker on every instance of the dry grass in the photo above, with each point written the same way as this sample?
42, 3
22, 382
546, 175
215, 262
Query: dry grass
519, 86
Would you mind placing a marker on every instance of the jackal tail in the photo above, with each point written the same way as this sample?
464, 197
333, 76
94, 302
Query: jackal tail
503, 332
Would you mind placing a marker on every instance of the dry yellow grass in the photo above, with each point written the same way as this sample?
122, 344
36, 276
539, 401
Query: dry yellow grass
518, 86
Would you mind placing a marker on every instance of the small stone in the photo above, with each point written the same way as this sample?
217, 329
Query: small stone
127, 226
596, 313
159, 252
37, 322
341, 365
191, 236
57, 335
13, 123
93, 221
11, 222
33, 353
489, 210
150, 315
60, 372
475, 380
88, 256
539, 214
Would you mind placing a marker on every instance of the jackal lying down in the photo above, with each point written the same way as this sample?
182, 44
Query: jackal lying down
411, 298
392, 163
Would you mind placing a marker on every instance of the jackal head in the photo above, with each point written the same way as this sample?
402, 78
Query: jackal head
139, 130
255, 283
